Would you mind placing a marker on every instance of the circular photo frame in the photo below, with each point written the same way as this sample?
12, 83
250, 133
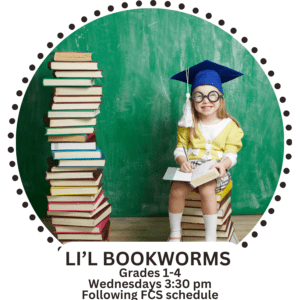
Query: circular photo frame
139, 50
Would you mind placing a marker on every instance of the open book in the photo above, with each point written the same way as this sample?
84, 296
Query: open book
200, 175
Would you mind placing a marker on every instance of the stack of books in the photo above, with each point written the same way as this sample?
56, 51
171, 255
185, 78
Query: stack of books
77, 205
192, 223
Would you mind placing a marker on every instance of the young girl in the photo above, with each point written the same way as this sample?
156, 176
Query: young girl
208, 132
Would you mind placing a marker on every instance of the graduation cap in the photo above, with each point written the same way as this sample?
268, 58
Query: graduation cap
206, 72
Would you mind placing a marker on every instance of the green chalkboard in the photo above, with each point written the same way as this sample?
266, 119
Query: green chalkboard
139, 50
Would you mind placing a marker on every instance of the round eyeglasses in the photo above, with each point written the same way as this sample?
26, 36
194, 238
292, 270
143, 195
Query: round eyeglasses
212, 96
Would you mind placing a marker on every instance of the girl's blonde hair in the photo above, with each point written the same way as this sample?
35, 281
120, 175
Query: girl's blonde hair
222, 113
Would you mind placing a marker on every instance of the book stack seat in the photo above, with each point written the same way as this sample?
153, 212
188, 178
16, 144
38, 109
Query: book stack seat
77, 205
192, 222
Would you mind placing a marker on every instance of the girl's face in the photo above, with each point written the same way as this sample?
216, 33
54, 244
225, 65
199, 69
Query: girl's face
207, 108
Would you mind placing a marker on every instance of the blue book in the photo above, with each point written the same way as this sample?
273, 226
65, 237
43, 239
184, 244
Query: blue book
77, 154
94, 162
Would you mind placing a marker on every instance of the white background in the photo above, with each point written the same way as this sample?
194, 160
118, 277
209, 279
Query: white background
33, 268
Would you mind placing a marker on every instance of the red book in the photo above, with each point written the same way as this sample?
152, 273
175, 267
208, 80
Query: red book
84, 221
85, 236
84, 230
77, 206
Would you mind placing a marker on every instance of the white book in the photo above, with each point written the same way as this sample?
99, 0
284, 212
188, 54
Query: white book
73, 146
73, 122
76, 182
200, 175
80, 214
70, 175
78, 74
92, 90
69, 130
80, 65
72, 99
68, 82
73, 113
75, 106
72, 169
82, 163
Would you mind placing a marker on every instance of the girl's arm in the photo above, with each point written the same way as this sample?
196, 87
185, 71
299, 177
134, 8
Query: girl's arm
222, 166
183, 137
185, 166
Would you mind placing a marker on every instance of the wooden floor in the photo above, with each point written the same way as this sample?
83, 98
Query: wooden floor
156, 229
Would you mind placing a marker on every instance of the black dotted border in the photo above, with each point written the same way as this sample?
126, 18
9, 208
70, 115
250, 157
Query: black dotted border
181, 7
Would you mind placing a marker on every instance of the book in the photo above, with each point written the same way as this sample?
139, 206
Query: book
72, 169
71, 241
68, 82
85, 236
200, 219
73, 190
219, 196
80, 138
202, 239
201, 233
90, 145
77, 206
73, 114
198, 204
73, 175
77, 182
73, 65
75, 198
76, 154
75, 99
72, 122
192, 211
69, 130
85, 222
77, 229
194, 226
69, 138
72, 56
106, 238
82, 162
79, 214
200, 175
95, 90
78, 74
75, 106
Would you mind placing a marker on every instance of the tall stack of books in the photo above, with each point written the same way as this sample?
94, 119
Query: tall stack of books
192, 223
77, 205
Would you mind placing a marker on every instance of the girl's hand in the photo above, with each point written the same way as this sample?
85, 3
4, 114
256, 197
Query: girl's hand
186, 167
220, 167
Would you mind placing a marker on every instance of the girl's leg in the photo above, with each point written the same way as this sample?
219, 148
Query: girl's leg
177, 196
209, 208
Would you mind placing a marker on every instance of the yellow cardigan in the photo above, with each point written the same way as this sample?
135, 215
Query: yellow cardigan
229, 140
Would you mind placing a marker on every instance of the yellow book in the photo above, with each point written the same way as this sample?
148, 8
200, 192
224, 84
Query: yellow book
219, 196
74, 190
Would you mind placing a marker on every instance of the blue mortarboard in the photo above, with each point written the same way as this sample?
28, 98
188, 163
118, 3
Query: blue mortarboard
207, 72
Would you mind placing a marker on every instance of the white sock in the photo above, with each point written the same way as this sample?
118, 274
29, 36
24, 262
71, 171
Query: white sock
175, 221
210, 228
